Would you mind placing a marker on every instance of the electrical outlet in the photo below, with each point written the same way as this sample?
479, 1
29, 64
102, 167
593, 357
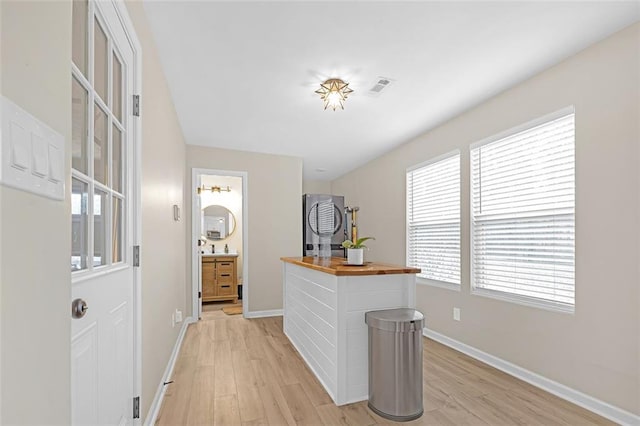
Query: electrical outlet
456, 314
178, 316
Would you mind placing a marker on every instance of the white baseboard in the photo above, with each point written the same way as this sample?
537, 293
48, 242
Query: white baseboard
152, 415
264, 314
597, 406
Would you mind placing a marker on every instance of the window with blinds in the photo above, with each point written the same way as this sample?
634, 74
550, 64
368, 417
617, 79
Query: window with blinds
523, 214
433, 219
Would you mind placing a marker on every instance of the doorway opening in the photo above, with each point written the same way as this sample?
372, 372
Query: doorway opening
219, 245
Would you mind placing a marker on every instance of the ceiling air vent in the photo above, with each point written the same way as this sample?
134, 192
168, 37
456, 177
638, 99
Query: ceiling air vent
379, 85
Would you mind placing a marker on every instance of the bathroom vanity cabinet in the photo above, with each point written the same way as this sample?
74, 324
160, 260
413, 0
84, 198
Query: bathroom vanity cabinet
219, 278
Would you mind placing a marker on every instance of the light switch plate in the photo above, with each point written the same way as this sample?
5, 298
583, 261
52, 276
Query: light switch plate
32, 154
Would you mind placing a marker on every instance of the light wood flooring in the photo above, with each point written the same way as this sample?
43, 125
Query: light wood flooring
234, 371
217, 306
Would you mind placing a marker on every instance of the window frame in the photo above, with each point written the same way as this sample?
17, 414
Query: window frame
424, 280
529, 301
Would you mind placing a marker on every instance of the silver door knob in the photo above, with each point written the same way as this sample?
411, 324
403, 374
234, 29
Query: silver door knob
78, 308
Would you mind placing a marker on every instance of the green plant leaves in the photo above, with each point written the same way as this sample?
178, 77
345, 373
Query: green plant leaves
348, 244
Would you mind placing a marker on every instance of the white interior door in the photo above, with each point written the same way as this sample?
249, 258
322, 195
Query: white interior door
103, 278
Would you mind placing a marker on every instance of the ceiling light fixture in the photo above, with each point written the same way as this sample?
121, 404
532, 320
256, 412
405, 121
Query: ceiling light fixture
334, 92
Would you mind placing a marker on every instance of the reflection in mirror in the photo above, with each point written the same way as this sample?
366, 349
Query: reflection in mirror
217, 222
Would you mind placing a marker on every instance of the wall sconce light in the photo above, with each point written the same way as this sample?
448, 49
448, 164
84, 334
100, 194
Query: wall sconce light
217, 189
334, 92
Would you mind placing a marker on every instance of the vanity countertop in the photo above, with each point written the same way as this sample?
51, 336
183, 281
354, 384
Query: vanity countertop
338, 266
219, 254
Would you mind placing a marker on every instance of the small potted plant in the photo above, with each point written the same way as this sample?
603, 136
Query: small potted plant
355, 251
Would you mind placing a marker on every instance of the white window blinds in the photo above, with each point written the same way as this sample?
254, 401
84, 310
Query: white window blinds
433, 219
522, 213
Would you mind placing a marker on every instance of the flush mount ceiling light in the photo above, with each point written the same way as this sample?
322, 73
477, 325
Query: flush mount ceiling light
334, 92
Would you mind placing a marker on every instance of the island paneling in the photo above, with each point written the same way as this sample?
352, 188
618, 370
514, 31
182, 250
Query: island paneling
324, 306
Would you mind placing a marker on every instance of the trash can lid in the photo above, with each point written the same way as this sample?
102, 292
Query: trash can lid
401, 319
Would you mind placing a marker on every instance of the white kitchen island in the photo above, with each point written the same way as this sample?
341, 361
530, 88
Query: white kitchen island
324, 306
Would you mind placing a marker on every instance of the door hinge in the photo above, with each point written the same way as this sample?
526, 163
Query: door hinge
136, 105
136, 255
199, 295
136, 407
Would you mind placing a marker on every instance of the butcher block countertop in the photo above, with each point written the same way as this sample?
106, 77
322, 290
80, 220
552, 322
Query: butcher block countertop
338, 266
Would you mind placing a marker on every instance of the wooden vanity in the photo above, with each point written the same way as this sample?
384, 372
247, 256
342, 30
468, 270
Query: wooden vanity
324, 305
219, 278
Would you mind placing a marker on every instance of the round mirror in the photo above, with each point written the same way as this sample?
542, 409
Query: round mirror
217, 222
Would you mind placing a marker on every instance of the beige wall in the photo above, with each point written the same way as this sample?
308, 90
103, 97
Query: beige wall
597, 350
316, 187
274, 215
35, 231
163, 256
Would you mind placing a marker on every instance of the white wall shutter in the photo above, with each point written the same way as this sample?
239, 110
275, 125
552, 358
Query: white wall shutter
523, 214
433, 219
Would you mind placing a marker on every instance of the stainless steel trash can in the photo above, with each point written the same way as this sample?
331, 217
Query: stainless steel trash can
395, 363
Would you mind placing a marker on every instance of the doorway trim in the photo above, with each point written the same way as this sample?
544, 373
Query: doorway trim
193, 243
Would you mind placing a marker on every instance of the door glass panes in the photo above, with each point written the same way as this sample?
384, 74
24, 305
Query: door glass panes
117, 230
79, 225
100, 71
100, 146
79, 34
116, 162
117, 88
99, 140
79, 127
100, 229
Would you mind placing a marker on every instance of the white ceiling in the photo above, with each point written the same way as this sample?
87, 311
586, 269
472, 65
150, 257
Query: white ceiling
243, 74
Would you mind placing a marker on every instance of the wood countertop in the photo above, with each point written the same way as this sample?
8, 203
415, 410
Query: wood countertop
338, 266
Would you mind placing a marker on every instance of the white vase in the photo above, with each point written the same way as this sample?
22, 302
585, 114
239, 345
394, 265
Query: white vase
355, 256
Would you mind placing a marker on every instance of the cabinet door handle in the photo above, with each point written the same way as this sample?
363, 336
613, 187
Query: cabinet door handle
225, 286
225, 264
225, 275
